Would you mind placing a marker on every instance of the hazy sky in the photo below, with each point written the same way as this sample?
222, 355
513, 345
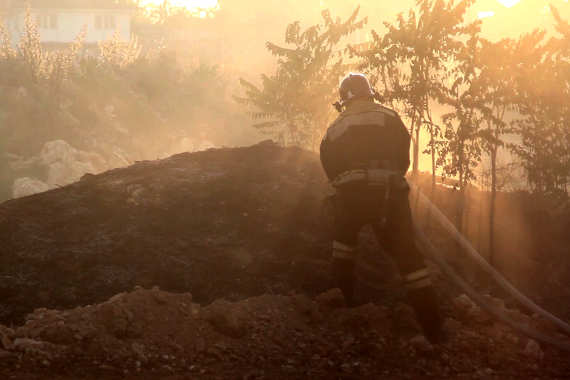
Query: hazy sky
245, 25
502, 17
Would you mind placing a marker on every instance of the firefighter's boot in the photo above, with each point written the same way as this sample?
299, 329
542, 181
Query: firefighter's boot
423, 299
343, 278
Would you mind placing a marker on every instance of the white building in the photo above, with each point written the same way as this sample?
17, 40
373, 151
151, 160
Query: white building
61, 21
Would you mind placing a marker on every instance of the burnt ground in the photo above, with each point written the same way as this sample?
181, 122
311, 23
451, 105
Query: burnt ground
236, 242
227, 223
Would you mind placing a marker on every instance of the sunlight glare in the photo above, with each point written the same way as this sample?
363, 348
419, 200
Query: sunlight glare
509, 3
188, 4
482, 15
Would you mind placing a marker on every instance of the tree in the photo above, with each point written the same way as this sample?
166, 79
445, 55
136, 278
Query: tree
410, 62
542, 89
294, 103
495, 85
462, 150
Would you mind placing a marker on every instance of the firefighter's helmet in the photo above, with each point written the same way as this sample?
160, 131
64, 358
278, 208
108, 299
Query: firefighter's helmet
354, 86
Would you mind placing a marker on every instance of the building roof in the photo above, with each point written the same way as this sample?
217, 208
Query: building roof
72, 4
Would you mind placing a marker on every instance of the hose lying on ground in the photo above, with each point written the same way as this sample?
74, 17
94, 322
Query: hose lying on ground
432, 253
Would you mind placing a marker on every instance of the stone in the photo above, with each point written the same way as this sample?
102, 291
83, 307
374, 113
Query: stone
65, 164
421, 344
544, 324
519, 317
404, 319
5, 340
225, 318
27, 186
451, 326
497, 303
24, 344
533, 350
331, 299
139, 351
34, 347
478, 315
463, 305
5, 354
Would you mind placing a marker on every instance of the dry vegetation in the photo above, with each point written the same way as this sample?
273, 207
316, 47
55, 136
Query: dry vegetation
115, 102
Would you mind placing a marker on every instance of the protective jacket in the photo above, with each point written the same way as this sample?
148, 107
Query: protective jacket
365, 154
366, 135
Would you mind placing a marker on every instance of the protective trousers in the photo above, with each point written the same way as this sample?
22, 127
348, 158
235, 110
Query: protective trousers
391, 221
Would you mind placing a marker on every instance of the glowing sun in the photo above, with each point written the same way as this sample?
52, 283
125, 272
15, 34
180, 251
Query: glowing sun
509, 3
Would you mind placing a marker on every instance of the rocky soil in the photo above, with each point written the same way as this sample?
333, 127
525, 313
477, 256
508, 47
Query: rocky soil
215, 265
149, 333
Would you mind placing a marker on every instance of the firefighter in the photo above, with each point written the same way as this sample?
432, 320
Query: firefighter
365, 154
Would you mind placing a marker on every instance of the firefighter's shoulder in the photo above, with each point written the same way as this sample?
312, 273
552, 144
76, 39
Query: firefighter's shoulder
387, 110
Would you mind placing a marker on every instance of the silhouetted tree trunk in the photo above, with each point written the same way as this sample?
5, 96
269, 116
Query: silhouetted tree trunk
492, 205
433, 162
415, 166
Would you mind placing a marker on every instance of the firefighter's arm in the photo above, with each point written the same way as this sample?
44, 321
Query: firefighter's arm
326, 157
403, 155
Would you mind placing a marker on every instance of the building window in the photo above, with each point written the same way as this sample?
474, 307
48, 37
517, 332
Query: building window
47, 21
105, 22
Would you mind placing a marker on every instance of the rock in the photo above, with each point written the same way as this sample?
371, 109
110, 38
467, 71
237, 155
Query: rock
288, 368
5, 337
404, 320
533, 350
463, 305
451, 326
188, 144
421, 344
518, 317
33, 347
495, 302
478, 315
331, 299
22, 92
512, 338
544, 324
139, 351
467, 309
5, 354
225, 318
27, 186
24, 344
303, 303
307, 307
115, 317
159, 297
365, 317
484, 373
65, 164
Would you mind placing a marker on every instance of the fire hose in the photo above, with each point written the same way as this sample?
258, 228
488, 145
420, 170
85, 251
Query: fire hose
429, 250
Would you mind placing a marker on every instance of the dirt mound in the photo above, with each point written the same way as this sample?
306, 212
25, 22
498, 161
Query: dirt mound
155, 334
230, 223
226, 222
